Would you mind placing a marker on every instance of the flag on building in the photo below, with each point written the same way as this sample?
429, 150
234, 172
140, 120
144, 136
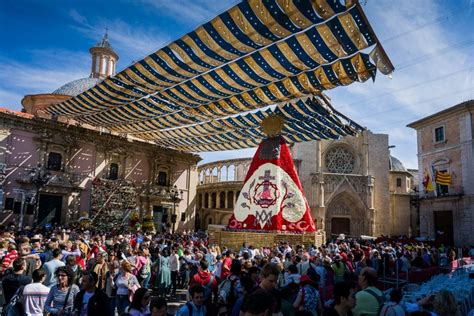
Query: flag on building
427, 183
443, 178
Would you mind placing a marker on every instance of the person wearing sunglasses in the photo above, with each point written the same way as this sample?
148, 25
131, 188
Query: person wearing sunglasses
90, 300
60, 299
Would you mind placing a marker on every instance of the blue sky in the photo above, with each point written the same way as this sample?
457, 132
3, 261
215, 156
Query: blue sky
44, 44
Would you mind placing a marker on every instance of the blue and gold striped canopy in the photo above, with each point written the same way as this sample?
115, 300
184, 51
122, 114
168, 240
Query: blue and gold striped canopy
258, 53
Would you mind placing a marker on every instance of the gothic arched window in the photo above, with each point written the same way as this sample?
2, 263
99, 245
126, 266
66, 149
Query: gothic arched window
339, 160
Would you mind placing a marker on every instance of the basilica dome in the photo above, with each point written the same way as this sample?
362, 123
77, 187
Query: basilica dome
78, 86
396, 165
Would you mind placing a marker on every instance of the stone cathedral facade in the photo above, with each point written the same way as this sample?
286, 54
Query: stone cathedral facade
353, 186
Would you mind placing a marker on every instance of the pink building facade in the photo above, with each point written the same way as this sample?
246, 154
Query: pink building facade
89, 172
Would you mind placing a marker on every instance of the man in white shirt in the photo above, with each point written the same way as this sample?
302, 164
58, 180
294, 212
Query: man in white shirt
35, 294
174, 268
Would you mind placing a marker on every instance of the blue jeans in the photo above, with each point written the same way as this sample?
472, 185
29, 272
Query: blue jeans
145, 282
122, 303
111, 302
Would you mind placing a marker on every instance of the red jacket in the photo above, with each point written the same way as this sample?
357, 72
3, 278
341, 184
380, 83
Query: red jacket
203, 278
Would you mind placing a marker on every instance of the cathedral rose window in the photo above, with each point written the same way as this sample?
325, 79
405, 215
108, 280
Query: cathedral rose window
339, 160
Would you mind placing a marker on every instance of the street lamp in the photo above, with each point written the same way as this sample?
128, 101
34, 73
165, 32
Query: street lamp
39, 177
176, 196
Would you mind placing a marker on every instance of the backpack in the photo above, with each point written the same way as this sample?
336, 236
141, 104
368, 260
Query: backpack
226, 290
15, 307
208, 288
145, 270
379, 299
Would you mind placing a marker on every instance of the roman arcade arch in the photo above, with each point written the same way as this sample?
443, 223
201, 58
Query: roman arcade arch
218, 189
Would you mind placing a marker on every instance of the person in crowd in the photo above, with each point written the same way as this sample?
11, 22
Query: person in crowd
140, 305
125, 282
207, 280
60, 300
100, 269
343, 302
144, 274
225, 269
164, 281
174, 268
71, 262
259, 303
308, 298
444, 304
339, 268
90, 300
195, 306
110, 287
369, 299
35, 294
159, 307
393, 307
51, 267
15, 279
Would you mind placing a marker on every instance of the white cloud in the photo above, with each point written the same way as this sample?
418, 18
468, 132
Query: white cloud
436, 71
53, 69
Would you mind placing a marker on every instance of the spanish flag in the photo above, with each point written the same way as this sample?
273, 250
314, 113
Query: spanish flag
427, 183
443, 178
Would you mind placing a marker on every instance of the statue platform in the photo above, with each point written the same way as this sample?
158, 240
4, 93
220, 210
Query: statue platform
235, 239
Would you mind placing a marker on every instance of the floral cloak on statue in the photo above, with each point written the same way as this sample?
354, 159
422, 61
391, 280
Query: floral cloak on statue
272, 198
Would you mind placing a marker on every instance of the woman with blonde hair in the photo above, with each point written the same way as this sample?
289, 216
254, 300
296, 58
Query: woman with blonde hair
126, 284
444, 304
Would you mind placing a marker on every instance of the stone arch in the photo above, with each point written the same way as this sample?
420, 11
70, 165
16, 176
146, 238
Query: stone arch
206, 200
230, 199
347, 206
199, 201
223, 174
214, 175
221, 200
208, 219
224, 220
213, 200
207, 176
231, 173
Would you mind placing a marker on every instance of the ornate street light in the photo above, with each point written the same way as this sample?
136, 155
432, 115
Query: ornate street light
176, 196
39, 177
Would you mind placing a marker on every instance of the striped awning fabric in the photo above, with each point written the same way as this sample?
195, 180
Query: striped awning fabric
257, 53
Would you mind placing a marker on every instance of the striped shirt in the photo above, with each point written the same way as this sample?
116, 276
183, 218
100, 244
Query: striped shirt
56, 299
34, 298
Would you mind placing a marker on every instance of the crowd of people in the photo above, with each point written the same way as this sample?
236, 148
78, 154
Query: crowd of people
74, 272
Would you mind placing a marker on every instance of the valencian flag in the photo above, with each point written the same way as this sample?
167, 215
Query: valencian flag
272, 198
427, 183
443, 178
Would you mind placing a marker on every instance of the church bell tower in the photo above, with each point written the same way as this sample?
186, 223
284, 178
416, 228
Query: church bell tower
104, 59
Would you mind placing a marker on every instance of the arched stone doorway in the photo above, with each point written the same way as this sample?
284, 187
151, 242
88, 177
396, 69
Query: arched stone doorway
346, 214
